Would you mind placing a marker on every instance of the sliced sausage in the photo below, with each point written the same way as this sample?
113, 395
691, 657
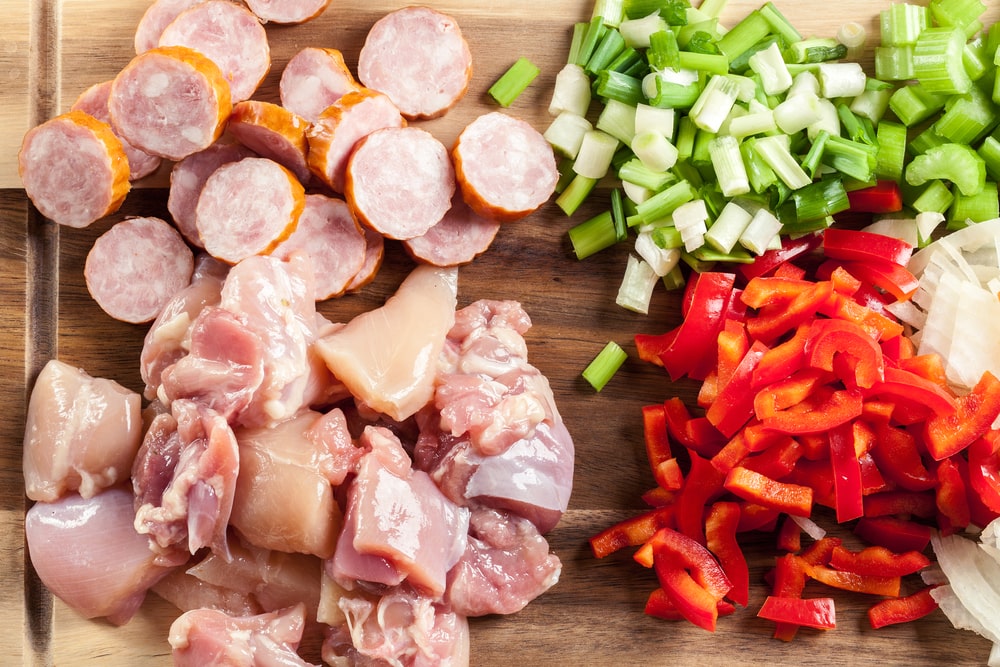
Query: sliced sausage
374, 254
230, 36
400, 181
274, 132
170, 101
188, 176
329, 233
247, 208
419, 58
313, 79
348, 120
157, 17
136, 267
94, 100
74, 169
505, 167
460, 237
287, 11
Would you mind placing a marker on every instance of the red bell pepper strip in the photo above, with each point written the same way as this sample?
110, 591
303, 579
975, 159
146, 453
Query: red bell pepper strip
879, 325
771, 259
883, 197
829, 338
691, 600
895, 503
789, 536
946, 435
898, 535
872, 480
782, 496
757, 517
659, 497
928, 366
720, 537
902, 610
702, 485
818, 476
815, 613
984, 471
773, 322
898, 348
951, 498
694, 433
893, 278
733, 345
631, 532
733, 407
789, 581
858, 583
661, 606
690, 576
789, 270
763, 292
696, 336
829, 411
903, 385
854, 245
650, 346
777, 461
783, 359
732, 454
666, 470
878, 561
846, 473
820, 551
791, 391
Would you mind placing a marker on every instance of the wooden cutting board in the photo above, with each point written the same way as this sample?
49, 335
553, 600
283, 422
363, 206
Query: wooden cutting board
50, 50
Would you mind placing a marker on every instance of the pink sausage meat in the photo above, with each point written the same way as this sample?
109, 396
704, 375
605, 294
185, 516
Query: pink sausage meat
400, 181
136, 267
460, 237
314, 79
505, 167
287, 11
419, 58
94, 101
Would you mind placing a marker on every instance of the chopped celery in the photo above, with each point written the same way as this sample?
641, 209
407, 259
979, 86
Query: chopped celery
924, 141
953, 162
967, 118
913, 104
604, 366
936, 198
989, 151
963, 14
937, 61
975, 208
894, 63
902, 23
820, 199
593, 235
891, 154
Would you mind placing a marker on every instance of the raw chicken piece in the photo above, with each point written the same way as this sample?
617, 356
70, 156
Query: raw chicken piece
533, 478
398, 525
185, 479
388, 357
489, 390
273, 579
496, 438
81, 433
187, 592
89, 555
225, 366
208, 637
273, 299
284, 492
166, 340
506, 565
399, 628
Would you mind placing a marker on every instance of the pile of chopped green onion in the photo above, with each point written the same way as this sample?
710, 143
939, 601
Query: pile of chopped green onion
721, 140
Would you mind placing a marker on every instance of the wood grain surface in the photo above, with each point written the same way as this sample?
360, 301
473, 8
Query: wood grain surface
51, 50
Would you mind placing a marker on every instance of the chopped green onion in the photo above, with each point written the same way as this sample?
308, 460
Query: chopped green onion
871, 104
714, 103
571, 91
593, 235
635, 171
576, 43
853, 36
663, 51
592, 35
654, 151
774, 75
604, 366
764, 227
937, 61
512, 83
779, 23
661, 260
841, 79
675, 89
691, 220
713, 8
816, 50
686, 132
673, 11
728, 227
821, 199
756, 122
637, 285
611, 12
853, 158
724, 152
575, 193
606, 50
618, 120
594, 157
737, 255
566, 174
637, 31
797, 113
776, 155
829, 120
618, 215
804, 83
744, 35
813, 160
953, 162
662, 204
712, 63
654, 119
565, 133
612, 85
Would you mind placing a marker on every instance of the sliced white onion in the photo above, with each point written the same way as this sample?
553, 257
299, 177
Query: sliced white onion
809, 527
974, 578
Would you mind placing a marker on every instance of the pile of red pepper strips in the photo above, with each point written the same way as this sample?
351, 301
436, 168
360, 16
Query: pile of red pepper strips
812, 395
